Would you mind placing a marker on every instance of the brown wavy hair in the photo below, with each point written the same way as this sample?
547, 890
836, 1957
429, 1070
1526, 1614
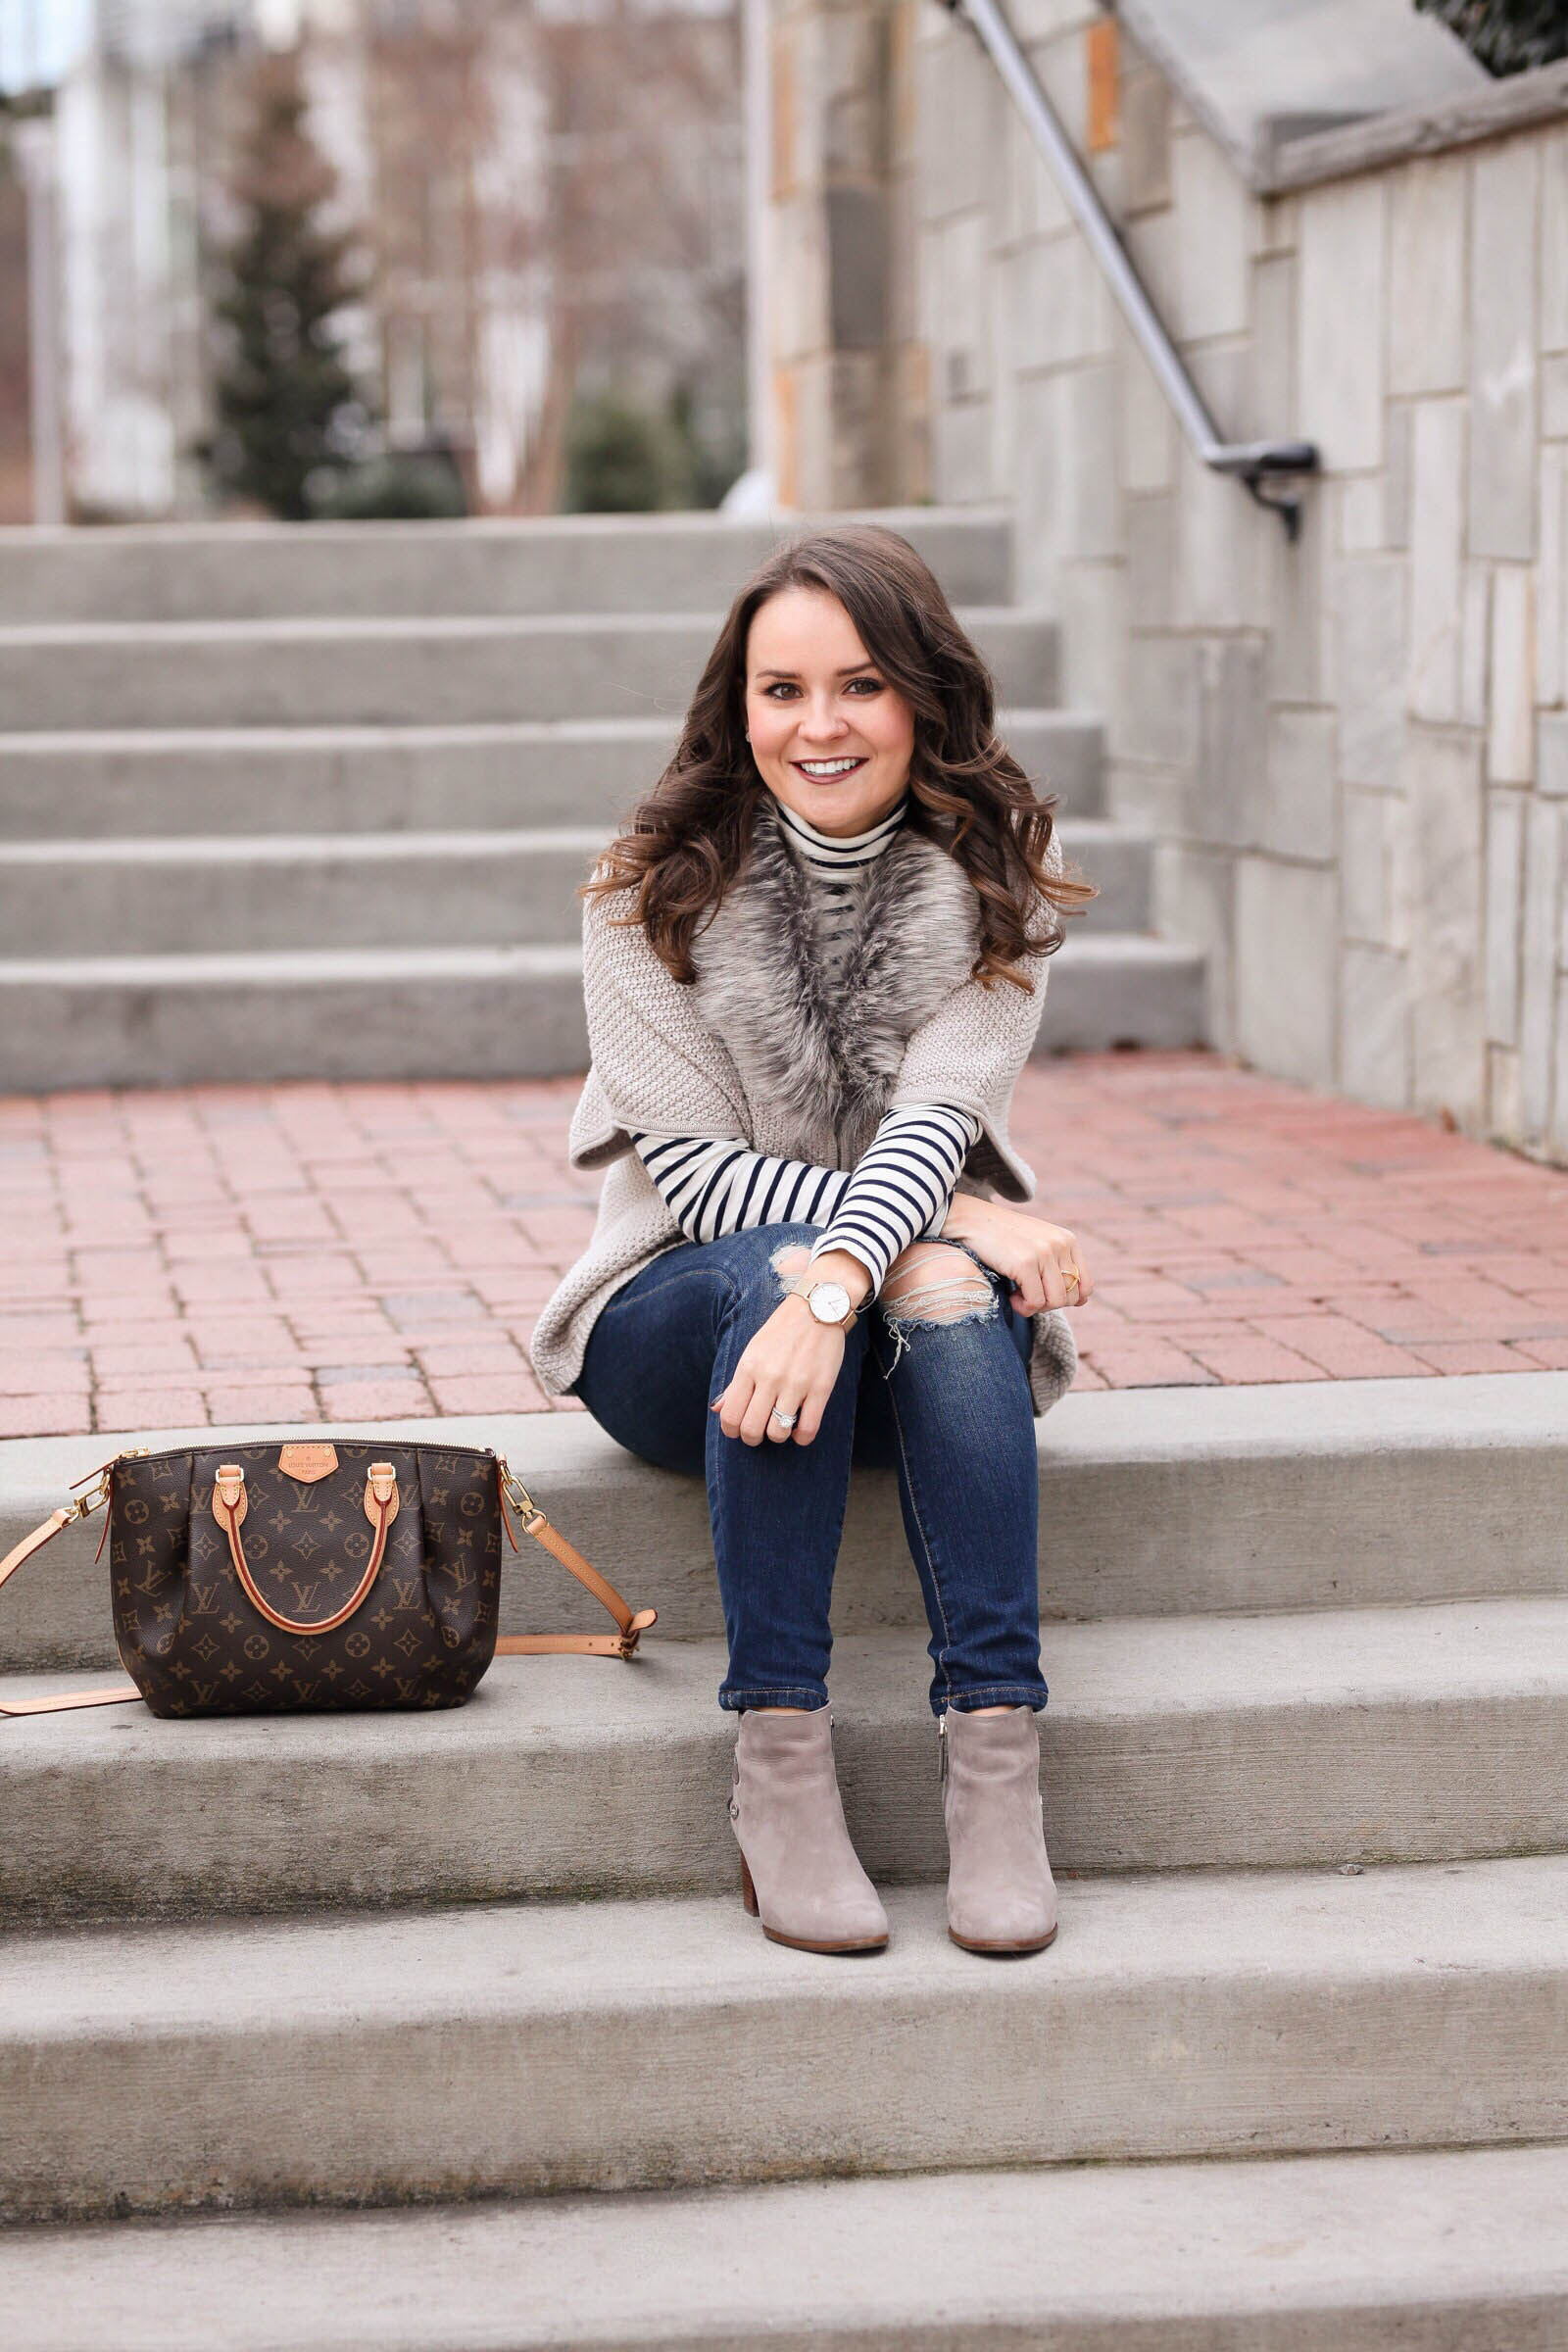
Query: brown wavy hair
687, 840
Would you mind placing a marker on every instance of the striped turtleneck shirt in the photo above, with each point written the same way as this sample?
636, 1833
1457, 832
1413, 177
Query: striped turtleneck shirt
899, 1189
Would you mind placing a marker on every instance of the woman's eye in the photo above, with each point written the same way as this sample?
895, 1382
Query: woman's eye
873, 684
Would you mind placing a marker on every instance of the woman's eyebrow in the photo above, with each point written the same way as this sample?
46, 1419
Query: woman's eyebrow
847, 673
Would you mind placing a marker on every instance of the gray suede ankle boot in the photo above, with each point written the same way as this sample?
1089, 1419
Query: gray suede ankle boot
800, 1875
1001, 1893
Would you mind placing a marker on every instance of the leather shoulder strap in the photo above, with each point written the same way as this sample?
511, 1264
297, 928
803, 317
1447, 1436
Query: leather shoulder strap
112, 1695
632, 1624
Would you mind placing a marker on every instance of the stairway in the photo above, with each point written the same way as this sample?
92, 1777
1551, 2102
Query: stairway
1295, 2074
314, 802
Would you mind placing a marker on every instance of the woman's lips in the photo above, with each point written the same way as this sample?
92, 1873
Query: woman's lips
859, 759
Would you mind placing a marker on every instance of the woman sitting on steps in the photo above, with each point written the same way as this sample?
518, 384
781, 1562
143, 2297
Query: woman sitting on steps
813, 966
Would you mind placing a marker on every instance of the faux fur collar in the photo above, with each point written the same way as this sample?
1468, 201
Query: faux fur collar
824, 1053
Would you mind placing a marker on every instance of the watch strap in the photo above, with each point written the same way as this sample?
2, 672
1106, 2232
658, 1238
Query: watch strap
809, 1282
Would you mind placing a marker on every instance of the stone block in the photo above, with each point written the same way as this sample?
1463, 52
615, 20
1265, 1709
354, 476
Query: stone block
1061, 62
957, 270
1504, 1119
1361, 505
1094, 491
1444, 791
1374, 1027
1370, 665
960, 449
1551, 754
1504, 192
1537, 963
1475, 644
1223, 536
1031, 205
1372, 825
1150, 561
1300, 816
960, 105
1511, 731
1297, 635
1396, 476
857, 262
1436, 539
1557, 1126
1148, 427
1230, 787
1145, 138
1285, 952
1195, 902
1341, 365
798, 280
1062, 305
1036, 485
1161, 708
1427, 323
1215, 217
1555, 243
1551, 579
1555, 396
1092, 602
1505, 847
1267, 385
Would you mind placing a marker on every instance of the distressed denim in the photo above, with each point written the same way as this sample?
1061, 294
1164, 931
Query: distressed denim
944, 1403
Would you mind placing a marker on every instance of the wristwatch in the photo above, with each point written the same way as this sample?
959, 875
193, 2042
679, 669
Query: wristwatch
830, 1302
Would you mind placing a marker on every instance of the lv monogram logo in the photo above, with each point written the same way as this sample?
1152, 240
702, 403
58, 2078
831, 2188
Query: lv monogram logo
304, 1595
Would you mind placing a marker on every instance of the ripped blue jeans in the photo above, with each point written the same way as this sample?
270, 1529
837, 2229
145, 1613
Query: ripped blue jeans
938, 1393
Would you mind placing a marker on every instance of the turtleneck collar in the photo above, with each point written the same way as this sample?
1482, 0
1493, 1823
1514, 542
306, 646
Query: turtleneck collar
830, 853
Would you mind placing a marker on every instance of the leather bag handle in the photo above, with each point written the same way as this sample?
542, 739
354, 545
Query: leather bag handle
632, 1624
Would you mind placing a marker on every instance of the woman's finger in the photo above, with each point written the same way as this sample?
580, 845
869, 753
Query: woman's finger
760, 1405
1054, 1281
735, 1402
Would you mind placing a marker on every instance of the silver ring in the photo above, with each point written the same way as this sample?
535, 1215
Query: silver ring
788, 1419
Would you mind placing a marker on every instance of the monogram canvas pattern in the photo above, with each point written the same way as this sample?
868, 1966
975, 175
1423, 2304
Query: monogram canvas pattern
194, 1643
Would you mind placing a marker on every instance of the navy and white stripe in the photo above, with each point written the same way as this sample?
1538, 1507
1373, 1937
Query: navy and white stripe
831, 867
899, 1190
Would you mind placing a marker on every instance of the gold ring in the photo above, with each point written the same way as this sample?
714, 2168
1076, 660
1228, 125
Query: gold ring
1072, 1278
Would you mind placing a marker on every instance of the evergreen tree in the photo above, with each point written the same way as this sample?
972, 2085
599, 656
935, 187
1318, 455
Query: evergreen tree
287, 405
1507, 36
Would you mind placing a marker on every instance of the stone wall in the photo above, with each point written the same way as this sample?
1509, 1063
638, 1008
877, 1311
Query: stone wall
1353, 749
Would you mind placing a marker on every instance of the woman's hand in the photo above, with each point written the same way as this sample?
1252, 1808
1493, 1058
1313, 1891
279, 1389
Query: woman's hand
793, 1363
1043, 1262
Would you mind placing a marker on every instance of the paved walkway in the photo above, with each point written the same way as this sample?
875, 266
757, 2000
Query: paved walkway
362, 1253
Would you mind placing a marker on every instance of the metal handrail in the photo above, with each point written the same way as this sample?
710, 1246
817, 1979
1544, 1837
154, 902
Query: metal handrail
1254, 462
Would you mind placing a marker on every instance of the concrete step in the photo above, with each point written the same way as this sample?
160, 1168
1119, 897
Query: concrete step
415, 1011
82, 785
1359, 1736
1425, 2252
333, 671
1162, 1502
552, 563
238, 893
528, 2047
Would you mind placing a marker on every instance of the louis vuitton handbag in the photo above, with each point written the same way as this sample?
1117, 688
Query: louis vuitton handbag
270, 1579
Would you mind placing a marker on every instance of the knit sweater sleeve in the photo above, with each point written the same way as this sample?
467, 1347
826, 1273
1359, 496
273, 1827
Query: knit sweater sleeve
968, 1053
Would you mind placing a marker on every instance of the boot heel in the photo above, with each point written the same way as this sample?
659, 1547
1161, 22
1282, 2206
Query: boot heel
748, 1890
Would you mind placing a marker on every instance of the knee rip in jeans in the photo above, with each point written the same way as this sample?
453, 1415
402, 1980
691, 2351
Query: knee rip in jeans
930, 1282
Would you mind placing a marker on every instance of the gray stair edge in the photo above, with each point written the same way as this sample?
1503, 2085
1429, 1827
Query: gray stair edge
526, 2048
1167, 1501
1344, 2253
1364, 1736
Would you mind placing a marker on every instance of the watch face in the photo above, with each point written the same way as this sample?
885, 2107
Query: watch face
829, 1303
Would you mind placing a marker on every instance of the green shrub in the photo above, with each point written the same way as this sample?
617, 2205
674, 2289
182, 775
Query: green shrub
1507, 36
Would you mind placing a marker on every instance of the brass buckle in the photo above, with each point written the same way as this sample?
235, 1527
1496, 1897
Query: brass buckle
516, 1494
82, 1506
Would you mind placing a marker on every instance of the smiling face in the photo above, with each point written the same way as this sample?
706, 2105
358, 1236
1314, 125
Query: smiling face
831, 737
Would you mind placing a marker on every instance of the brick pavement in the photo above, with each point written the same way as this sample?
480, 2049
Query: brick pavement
360, 1252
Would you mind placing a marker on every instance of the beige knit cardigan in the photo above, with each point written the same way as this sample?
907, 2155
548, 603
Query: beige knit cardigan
759, 1051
